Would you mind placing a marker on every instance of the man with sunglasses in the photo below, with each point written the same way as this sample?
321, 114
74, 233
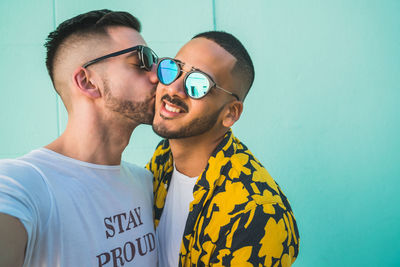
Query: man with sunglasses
214, 202
73, 202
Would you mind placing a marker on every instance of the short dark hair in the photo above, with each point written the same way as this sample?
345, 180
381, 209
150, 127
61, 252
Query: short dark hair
232, 45
93, 22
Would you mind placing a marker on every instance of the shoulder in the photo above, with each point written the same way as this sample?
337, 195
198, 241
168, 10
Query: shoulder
140, 177
29, 176
161, 161
136, 170
24, 192
246, 172
138, 174
21, 171
162, 152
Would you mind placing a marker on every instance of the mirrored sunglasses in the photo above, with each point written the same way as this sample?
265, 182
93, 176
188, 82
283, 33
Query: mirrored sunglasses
147, 57
196, 83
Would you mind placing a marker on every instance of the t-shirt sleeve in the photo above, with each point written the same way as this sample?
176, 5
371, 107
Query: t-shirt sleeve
23, 195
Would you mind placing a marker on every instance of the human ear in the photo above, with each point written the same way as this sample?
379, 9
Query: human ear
81, 79
232, 114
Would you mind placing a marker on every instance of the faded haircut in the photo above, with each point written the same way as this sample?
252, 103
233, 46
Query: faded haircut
244, 65
86, 24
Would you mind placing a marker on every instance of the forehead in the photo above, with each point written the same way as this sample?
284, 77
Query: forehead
207, 56
124, 37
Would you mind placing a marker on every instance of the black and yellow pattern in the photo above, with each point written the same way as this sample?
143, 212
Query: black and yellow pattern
239, 215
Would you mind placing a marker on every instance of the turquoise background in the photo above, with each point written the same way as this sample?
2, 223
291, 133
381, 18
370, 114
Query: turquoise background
322, 116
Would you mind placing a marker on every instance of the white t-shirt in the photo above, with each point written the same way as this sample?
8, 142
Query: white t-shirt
173, 218
80, 214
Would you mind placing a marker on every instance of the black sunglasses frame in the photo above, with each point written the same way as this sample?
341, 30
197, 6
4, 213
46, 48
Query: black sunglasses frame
137, 48
193, 70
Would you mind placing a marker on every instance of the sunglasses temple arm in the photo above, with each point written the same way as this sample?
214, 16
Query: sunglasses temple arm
226, 91
131, 49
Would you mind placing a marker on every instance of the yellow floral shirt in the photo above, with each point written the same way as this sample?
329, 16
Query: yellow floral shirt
239, 215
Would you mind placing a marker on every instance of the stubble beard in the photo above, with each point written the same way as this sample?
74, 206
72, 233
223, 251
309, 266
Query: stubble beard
195, 127
139, 112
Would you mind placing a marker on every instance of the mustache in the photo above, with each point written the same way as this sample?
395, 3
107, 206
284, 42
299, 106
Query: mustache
176, 101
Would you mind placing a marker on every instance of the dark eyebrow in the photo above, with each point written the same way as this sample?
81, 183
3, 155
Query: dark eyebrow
182, 64
193, 68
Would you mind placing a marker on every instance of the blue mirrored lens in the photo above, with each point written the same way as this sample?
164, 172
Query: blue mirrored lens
197, 85
167, 71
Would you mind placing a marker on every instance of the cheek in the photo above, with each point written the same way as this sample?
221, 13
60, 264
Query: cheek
135, 87
158, 104
160, 91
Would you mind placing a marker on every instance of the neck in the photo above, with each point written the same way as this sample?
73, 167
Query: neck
93, 139
191, 154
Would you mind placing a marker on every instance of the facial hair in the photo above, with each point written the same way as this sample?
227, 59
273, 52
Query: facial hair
140, 112
195, 127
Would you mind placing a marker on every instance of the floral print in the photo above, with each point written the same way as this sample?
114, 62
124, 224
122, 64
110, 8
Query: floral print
239, 215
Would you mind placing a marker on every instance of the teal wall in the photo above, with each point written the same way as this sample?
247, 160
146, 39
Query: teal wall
323, 114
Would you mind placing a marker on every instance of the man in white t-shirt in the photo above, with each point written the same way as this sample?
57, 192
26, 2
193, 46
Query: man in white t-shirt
73, 202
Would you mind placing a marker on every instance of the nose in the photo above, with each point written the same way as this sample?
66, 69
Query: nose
176, 88
153, 74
